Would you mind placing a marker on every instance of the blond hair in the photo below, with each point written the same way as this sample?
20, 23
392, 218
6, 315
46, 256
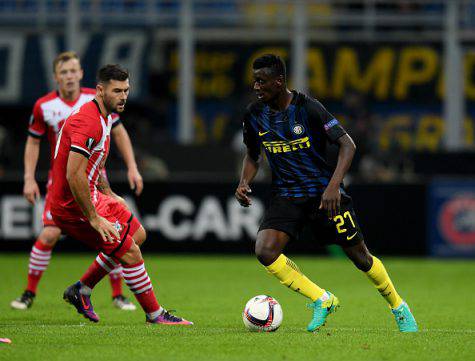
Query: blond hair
64, 56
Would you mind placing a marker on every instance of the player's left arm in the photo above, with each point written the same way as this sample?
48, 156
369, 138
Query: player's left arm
250, 163
104, 187
103, 184
331, 196
334, 132
79, 185
122, 139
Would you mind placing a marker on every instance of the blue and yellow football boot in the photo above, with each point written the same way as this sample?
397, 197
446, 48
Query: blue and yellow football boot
404, 318
321, 310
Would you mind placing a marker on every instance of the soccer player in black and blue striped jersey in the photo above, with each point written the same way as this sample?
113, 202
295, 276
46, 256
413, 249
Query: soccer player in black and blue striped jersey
293, 130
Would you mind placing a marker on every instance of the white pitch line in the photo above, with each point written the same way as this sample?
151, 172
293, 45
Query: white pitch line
352, 329
428, 330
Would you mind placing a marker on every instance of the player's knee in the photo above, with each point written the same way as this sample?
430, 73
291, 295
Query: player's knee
49, 236
265, 253
360, 256
363, 261
136, 254
132, 256
140, 236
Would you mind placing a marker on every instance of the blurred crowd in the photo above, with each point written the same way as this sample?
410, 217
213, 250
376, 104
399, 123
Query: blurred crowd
279, 10
161, 157
217, 148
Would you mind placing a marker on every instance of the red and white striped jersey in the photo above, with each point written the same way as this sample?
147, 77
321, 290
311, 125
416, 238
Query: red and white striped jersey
88, 133
50, 112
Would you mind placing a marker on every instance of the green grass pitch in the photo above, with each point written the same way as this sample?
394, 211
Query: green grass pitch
212, 290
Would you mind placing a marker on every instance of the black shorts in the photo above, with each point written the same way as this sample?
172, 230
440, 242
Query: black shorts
293, 215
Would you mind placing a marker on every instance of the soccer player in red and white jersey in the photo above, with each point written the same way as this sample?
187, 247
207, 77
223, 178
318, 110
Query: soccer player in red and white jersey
101, 221
49, 114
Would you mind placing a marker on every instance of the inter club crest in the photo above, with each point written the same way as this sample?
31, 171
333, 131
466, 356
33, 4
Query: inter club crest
118, 226
298, 129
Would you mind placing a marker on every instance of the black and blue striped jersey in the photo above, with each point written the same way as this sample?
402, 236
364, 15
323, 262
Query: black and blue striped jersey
294, 141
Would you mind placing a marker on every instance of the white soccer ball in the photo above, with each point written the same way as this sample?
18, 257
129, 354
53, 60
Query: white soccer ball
262, 313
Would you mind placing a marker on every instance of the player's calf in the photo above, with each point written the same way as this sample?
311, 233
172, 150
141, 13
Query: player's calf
40, 256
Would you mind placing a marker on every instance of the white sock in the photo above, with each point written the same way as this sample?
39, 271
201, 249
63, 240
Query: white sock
324, 297
154, 315
85, 290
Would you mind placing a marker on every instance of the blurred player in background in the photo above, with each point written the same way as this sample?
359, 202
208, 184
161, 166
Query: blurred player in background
293, 130
49, 114
100, 219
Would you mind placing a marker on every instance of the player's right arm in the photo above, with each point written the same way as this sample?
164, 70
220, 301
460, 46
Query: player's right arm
79, 185
334, 132
250, 168
83, 135
104, 187
250, 163
31, 190
36, 129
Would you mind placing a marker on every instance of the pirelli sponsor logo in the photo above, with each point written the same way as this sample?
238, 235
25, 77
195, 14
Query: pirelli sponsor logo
285, 147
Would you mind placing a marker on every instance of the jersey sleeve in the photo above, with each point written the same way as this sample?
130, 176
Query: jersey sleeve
331, 126
85, 135
115, 120
37, 126
249, 137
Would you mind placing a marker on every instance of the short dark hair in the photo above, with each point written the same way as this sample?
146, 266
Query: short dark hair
112, 72
271, 61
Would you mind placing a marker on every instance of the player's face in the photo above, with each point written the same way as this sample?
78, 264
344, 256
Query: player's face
68, 74
266, 85
114, 94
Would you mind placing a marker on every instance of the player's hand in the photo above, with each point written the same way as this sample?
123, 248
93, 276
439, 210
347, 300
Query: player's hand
31, 191
106, 229
242, 195
135, 180
331, 201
